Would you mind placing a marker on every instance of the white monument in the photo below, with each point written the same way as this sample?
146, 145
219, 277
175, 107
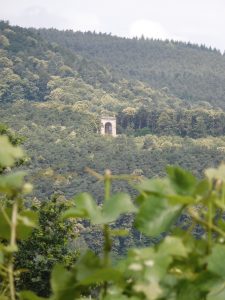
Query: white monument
108, 126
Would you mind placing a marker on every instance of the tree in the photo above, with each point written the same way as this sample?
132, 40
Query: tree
49, 244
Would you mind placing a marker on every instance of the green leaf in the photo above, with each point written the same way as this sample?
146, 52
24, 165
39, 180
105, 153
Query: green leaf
111, 210
146, 265
1, 257
12, 183
101, 275
156, 186
151, 290
90, 270
183, 181
26, 221
180, 199
10, 249
217, 293
187, 291
120, 297
8, 153
173, 246
218, 173
117, 204
216, 259
5, 230
63, 284
85, 208
202, 188
28, 295
119, 232
87, 263
156, 216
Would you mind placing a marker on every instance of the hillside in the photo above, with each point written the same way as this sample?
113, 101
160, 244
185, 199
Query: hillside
188, 71
111, 217
53, 89
32, 69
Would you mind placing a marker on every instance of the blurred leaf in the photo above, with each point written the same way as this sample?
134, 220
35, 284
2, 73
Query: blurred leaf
85, 208
8, 153
217, 293
101, 275
5, 230
120, 297
10, 249
151, 290
180, 199
63, 284
12, 183
148, 265
183, 181
218, 173
111, 210
187, 291
28, 218
173, 246
215, 260
156, 186
156, 216
90, 270
117, 204
1, 257
28, 295
119, 232
87, 264
26, 221
202, 188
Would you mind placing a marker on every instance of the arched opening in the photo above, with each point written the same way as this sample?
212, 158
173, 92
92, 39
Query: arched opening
108, 128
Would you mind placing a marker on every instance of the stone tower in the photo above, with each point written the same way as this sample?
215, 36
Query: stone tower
108, 126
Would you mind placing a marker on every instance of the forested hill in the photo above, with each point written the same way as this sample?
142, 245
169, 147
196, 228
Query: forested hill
55, 85
190, 72
33, 68
91, 74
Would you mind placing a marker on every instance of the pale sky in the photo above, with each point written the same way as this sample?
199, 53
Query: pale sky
197, 21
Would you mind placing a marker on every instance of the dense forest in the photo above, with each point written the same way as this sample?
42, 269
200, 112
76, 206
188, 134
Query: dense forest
168, 98
54, 86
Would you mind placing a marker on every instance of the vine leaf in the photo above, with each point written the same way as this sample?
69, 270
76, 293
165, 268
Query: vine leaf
215, 260
155, 216
87, 208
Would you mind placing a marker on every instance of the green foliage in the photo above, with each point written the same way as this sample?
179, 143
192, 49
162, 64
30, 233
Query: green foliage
8, 154
48, 244
155, 215
68, 93
192, 73
110, 211
15, 222
178, 267
70, 77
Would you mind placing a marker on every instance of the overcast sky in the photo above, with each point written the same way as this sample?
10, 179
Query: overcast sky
198, 21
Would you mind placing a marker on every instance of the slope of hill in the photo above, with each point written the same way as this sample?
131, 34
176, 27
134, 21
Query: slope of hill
53, 94
32, 68
188, 71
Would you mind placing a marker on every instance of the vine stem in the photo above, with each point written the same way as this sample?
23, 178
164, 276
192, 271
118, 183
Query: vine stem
12, 245
206, 224
223, 193
106, 231
210, 223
